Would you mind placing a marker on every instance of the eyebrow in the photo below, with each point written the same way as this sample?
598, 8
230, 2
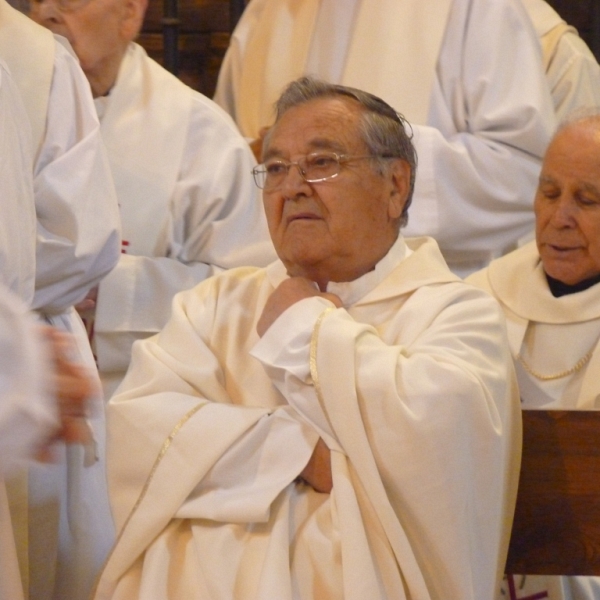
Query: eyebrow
315, 144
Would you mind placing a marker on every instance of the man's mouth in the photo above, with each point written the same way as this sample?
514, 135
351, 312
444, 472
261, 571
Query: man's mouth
303, 217
562, 248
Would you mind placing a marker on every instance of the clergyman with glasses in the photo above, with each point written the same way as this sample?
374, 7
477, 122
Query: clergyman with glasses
341, 424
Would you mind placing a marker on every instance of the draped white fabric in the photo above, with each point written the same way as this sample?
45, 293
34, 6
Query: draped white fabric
64, 527
411, 386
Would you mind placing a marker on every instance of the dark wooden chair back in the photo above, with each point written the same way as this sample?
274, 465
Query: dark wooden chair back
556, 530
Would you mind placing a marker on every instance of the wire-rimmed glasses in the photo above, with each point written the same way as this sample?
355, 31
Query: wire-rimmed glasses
314, 168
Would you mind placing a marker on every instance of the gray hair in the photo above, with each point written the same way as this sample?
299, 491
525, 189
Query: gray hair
383, 130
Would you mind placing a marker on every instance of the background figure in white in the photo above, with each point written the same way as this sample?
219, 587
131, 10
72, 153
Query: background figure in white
479, 138
550, 293
63, 525
572, 71
31, 419
182, 172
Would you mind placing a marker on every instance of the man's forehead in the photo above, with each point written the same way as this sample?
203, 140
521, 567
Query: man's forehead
322, 124
311, 145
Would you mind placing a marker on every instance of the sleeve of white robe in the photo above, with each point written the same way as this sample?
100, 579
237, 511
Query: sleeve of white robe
491, 118
233, 476
28, 412
76, 206
217, 222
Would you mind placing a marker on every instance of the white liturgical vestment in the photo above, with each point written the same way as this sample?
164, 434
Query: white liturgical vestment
189, 206
479, 138
572, 70
549, 335
28, 416
17, 225
62, 520
410, 385
27, 413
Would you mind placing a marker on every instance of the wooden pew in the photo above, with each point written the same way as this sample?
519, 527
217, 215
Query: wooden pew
556, 530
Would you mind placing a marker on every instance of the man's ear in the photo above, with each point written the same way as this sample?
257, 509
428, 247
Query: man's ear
133, 18
400, 185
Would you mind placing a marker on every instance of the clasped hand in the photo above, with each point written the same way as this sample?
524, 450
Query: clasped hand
317, 472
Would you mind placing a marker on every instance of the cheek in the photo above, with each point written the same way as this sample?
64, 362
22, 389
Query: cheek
272, 210
593, 237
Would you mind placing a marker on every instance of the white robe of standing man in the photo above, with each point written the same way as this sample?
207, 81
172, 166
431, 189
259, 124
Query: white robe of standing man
63, 525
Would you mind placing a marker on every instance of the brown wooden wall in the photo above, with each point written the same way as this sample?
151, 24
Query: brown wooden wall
205, 25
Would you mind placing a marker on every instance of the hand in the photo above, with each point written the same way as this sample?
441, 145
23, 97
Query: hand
317, 472
88, 303
257, 145
289, 292
72, 387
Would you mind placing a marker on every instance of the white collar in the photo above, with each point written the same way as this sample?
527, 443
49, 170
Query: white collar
350, 292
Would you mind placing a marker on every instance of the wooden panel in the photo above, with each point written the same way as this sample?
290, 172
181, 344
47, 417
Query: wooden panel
584, 15
556, 530
204, 30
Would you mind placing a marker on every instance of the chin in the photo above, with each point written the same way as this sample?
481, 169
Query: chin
565, 274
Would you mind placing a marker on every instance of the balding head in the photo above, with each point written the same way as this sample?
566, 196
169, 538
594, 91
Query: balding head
567, 203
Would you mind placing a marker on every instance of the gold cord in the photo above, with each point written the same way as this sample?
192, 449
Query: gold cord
577, 367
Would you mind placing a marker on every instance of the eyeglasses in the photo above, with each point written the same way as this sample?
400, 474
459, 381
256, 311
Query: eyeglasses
314, 168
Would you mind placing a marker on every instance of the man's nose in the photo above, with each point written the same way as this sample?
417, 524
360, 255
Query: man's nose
294, 182
45, 12
564, 211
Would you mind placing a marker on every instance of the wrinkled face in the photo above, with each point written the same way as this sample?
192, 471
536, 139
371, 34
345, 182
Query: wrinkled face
95, 29
567, 205
334, 230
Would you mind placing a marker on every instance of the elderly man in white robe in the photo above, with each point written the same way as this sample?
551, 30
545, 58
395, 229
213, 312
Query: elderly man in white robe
550, 293
341, 424
60, 511
480, 138
182, 171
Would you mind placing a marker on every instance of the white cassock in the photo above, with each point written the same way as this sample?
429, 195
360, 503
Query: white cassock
572, 70
189, 206
27, 413
551, 335
479, 139
411, 387
61, 513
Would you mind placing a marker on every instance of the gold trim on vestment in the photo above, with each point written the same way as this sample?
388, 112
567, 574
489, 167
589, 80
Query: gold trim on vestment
160, 456
314, 373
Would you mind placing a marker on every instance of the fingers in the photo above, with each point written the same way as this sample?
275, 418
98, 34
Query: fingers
73, 387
